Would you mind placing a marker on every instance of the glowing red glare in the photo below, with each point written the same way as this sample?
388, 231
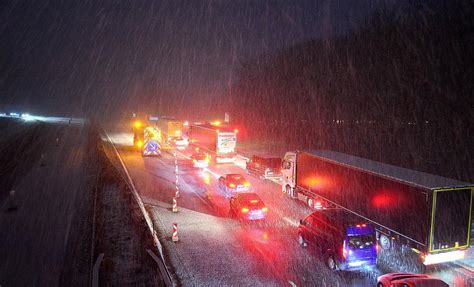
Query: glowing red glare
236, 131
217, 131
245, 210
315, 182
265, 236
246, 184
231, 185
386, 199
254, 201
265, 209
216, 123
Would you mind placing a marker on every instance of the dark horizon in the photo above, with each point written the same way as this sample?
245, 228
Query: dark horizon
81, 57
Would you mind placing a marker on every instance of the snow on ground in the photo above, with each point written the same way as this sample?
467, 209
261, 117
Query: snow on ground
215, 250
35, 235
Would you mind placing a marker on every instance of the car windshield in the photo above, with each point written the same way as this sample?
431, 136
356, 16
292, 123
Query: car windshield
361, 241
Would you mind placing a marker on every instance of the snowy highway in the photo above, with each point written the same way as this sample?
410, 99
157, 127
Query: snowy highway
216, 250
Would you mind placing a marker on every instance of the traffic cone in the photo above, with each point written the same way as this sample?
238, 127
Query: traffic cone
175, 238
175, 204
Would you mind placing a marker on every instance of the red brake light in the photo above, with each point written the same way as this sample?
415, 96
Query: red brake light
247, 184
231, 185
264, 209
245, 210
344, 251
254, 201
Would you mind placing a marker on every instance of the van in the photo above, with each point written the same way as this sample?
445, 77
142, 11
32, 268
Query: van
345, 241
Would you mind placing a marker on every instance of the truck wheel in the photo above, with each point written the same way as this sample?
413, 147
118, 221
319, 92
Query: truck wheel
331, 263
385, 242
301, 240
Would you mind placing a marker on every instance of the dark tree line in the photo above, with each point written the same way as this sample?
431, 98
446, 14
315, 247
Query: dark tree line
398, 90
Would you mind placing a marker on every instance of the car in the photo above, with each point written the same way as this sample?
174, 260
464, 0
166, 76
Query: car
232, 183
409, 280
179, 142
200, 160
248, 206
264, 167
345, 241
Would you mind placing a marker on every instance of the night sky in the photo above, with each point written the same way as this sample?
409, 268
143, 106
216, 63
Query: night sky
75, 57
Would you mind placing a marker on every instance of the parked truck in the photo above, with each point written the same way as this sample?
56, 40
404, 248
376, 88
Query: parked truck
171, 129
218, 141
138, 127
429, 214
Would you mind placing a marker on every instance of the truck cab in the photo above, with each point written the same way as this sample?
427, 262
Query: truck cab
288, 172
345, 241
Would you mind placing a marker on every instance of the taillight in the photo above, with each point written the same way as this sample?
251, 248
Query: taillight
231, 185
194, 161
264, 209
377, 248
344, 251
139, 144
245, 210
247, 184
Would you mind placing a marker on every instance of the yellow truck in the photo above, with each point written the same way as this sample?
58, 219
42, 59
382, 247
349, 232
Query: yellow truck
171, 129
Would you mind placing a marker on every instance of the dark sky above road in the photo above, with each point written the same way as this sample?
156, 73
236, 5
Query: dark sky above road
77, 56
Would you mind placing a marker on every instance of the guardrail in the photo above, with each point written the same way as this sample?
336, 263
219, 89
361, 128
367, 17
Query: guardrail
166, 274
